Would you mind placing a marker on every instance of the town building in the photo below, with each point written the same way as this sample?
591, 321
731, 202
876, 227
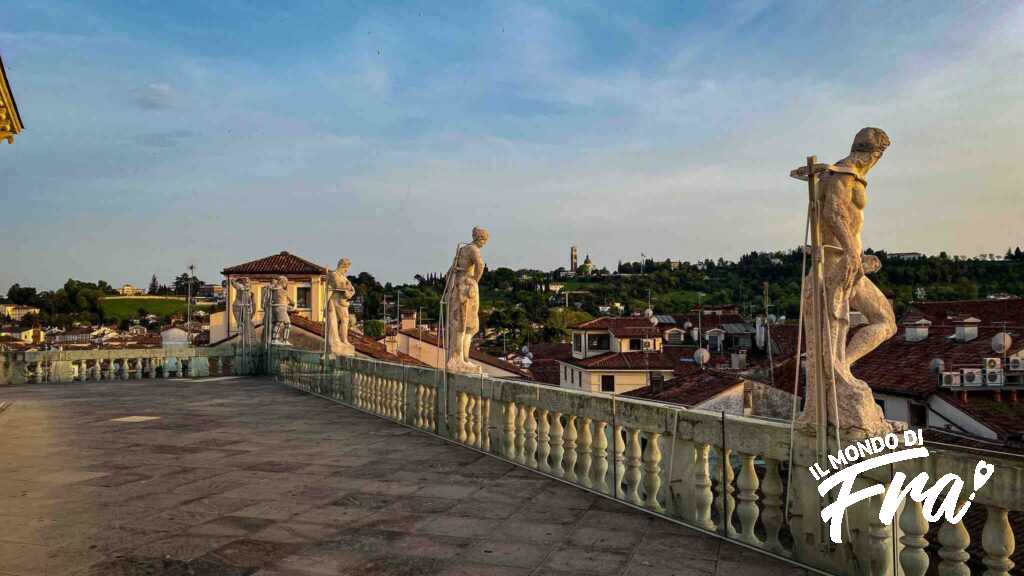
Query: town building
130, 290
956, 367
621, 354
306, 286
17, 312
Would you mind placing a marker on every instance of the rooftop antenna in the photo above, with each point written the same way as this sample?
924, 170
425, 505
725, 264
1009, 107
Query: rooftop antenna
188, 303
768, 337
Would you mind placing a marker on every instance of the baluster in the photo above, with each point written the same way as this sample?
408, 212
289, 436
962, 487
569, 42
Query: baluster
652, 471
394, 388
997, 540
727, 503
425, 406
879, 547
432, 408
570, 448
419, 406
747, 510
913, 557
543, 441
601, 464
519, 449
460, 417
704, 497
954, 539
531, 437
586, 441
633, 467
619, 446
471, 419
376, 405
482, 407
771, 515
555, 435
508, 433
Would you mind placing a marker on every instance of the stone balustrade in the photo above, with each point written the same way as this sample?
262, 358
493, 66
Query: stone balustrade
715, 472
53, 366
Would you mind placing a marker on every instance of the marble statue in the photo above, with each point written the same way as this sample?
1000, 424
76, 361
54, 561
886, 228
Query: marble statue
842, 191
340, 291
280, 305
242, 308
462, 296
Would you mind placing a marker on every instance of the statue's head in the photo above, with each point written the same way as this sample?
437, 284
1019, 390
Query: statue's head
344, 264
480, 236
282, 282
872, 141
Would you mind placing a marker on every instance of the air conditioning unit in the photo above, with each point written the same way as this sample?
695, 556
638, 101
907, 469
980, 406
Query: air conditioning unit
950, 380
1017, 364
994, 378
972, 377
993, 363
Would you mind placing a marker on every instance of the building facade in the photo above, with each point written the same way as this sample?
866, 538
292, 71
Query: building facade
306, 286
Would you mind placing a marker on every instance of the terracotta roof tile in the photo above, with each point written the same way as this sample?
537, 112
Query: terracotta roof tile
283, 263
431, 338
690, 386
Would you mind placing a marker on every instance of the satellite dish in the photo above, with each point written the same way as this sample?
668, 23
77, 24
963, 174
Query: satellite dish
701, 356
1001, 343
648, 313
938, 365
525, 349
772, 318
654, 320
688, 325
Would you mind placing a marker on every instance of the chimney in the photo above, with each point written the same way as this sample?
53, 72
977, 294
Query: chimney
409, 319
967, 329
916, 331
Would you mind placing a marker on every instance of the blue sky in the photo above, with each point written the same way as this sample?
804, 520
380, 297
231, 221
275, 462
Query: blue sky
163, 133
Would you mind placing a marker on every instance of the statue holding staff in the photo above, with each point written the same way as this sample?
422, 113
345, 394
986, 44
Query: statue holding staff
841, 196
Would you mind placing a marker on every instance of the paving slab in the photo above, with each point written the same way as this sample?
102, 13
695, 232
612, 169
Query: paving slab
247, 476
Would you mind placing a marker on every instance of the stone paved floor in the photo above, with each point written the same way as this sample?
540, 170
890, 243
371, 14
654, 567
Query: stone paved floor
250, 477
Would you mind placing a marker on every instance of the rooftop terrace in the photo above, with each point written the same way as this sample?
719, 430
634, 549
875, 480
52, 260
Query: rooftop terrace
233, 476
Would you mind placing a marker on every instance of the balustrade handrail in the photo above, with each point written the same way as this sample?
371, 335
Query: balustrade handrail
717, 472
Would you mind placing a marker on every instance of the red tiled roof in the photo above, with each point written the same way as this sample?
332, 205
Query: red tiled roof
431, 338
283, 263
901, 367
551, 351
691, 386
1010, 310
623, 327
664, 360
1004, 417
363, 344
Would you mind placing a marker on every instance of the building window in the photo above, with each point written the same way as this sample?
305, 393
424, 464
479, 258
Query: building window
715, 342
635, 344
577, 342
675, 336
302, 297
607, 383
918, 414
598, 342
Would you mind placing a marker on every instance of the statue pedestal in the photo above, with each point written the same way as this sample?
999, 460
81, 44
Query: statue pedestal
460, 367
342, 349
